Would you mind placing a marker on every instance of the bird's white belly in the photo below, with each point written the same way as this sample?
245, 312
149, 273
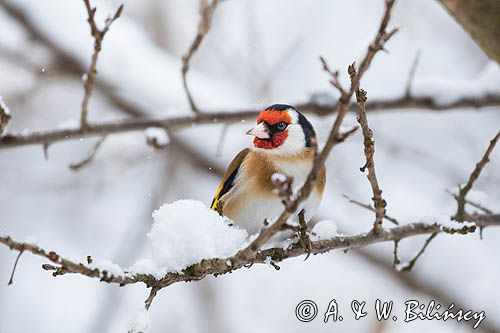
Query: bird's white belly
256, 211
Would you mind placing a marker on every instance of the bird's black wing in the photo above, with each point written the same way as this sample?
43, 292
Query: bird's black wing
228, 179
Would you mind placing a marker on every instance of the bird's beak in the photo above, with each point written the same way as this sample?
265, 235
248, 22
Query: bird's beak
261, 131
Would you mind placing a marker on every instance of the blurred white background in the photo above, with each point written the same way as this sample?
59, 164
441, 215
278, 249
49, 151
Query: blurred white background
257, 53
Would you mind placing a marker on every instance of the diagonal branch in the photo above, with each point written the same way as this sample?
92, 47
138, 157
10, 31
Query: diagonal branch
206, 15
461, 200
409, 265
333, 139
370, 208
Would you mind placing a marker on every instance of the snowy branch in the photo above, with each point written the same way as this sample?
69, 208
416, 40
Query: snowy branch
217, 266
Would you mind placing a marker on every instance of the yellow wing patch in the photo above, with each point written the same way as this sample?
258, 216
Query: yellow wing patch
216, 197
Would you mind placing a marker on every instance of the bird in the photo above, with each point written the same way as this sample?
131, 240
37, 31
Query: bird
284, 143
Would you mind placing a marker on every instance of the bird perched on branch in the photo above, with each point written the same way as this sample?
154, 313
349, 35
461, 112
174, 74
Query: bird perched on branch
284, 144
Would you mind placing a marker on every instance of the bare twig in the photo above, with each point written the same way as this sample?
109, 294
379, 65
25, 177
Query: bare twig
11, 280
396, 261
334, 76
222, 139
472, 203
98, 35
379, 202
305, 241
319, 159
78, 165
370, 208
152, 295
409, 265
461, 214
411, 75
207, 9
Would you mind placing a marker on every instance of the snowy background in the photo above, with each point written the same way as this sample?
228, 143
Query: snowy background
257, 53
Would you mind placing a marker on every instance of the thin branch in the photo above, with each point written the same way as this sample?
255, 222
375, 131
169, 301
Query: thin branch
98, 35
411, 74
333, 139
10, 140
152, 295
395, 261
370, 208
369, 150
78, 165
334, 76
11, 280
461, 214
472, 203
222, 140
206, 15
218, 266
409, 265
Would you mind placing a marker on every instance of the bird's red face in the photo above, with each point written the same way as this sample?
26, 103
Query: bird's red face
281, 129
271, 130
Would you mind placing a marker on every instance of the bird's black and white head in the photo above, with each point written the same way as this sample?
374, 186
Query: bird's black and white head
283, 129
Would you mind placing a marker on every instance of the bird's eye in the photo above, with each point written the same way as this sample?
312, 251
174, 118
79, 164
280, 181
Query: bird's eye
281, 125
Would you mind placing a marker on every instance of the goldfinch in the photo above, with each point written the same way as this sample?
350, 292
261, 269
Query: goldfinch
284, 143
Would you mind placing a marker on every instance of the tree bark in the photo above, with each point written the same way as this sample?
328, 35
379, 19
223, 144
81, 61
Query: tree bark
481, 19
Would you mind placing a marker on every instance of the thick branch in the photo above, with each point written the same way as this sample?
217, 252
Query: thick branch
480, 18
219, 266
10, 140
